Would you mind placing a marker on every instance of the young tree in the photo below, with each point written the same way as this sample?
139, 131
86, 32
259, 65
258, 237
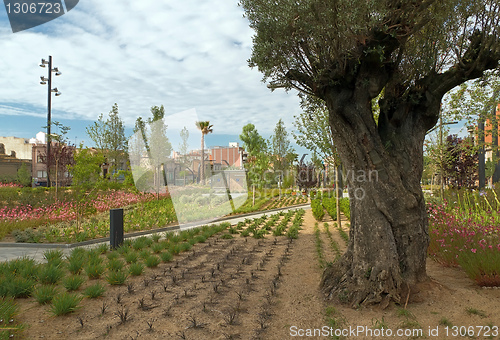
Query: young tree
282, 154
205, 128
477, 102
115, 139
149, 149
97, 132
160, 147
23, 175
61, 155
257, 157
461, 166
86, 173
346, 53
86, 170
313, 130
307, 176
109, 135
184, 146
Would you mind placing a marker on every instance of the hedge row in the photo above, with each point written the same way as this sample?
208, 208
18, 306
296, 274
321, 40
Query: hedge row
317, 209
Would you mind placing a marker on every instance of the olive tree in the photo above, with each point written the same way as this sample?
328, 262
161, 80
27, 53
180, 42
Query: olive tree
346, 52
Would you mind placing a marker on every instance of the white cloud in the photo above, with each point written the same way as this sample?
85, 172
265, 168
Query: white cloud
189, 54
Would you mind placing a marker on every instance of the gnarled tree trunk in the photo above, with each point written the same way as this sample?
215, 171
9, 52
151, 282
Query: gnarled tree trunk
386, 254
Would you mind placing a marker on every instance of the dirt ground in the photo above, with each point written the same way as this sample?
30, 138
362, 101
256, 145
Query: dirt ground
245, 288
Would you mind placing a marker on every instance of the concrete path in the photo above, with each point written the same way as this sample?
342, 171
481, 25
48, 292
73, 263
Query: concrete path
13, 251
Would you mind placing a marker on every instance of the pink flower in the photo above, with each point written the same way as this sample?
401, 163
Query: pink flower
473, 250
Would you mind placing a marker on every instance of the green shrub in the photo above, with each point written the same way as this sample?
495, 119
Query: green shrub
17, 287
44, 294
317, 209
94, 270
156, 237
123, 249
166, 256
65, 303
53, 256
50, 274
94, 256
75, 264
8, 309
157, 247
131, 257
185, 246
113, 255
136, 269
345, 207
200, 238
116, 277
175, 248
141, 243
28, 268
102, 248
115, 264
27, 235
73, 282
243, 233
152, 261
94, 291
330, 205
145, 253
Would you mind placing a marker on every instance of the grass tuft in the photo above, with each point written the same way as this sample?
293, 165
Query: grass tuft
116, 277
94, 291
152, 261
73, 282
44, 294
65, 303
136, 269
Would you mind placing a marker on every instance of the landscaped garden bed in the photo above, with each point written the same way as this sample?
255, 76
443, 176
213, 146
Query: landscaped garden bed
77, 218
466, 233
233, 269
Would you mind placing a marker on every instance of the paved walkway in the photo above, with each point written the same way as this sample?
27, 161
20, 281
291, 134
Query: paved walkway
33, 250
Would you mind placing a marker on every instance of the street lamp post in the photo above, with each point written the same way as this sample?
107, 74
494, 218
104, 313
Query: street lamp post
48, 81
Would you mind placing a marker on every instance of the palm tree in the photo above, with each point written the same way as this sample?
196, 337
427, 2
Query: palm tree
205, 129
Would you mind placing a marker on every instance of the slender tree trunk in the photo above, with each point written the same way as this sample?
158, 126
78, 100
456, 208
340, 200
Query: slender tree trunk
386, 255
202, 170
57, 180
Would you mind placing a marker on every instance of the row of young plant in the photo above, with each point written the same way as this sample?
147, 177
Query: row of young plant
287, 201
62, 283
322, 203
460, 237
271, 225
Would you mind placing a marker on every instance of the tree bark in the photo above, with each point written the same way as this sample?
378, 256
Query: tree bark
386, 255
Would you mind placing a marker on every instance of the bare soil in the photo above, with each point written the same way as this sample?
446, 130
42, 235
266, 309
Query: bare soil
246, 288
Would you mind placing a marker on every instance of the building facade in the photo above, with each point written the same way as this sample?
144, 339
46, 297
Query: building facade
227, 156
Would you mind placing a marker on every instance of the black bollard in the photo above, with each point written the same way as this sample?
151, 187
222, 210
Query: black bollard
115, 228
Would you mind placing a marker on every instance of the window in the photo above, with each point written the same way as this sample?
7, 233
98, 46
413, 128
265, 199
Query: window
42, 174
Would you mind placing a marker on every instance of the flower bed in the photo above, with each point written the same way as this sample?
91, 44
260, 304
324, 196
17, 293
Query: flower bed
21, 217
467, 239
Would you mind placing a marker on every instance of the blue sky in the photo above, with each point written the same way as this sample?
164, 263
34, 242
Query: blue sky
181, 54
184, 55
